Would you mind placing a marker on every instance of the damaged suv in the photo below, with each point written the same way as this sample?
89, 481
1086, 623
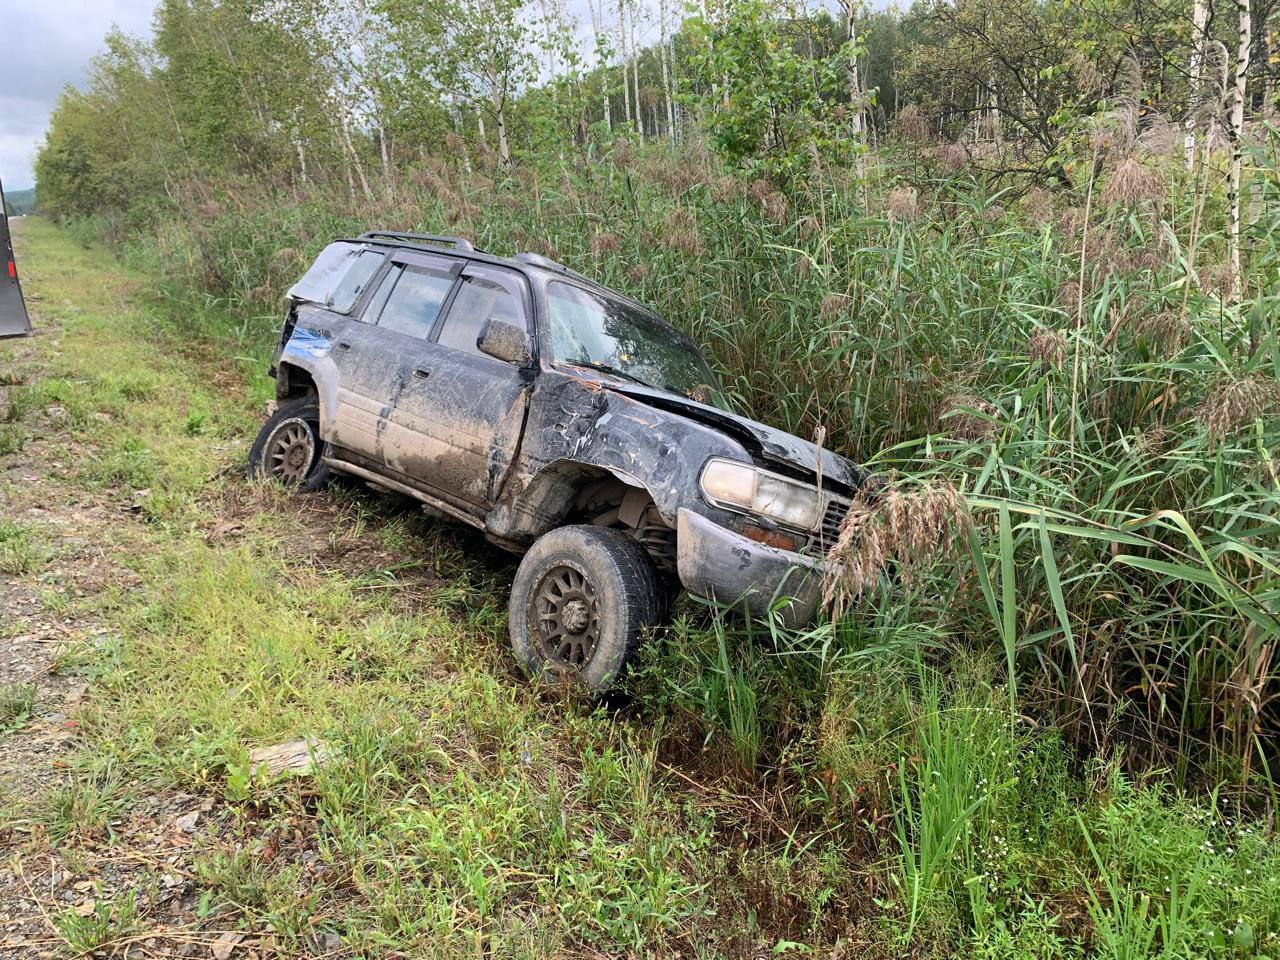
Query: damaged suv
567, 422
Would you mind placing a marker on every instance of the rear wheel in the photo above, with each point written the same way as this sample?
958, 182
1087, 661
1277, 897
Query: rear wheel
288, 447
580, 603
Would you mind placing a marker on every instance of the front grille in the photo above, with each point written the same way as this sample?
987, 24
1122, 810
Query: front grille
836, 509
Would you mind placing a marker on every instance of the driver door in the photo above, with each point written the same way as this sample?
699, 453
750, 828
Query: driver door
459, 417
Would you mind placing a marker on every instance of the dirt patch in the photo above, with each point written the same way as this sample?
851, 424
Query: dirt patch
95, 862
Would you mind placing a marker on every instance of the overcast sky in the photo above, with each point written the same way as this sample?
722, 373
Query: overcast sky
46, 45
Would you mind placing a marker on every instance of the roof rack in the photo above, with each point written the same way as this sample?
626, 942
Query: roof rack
538, 260
460, 243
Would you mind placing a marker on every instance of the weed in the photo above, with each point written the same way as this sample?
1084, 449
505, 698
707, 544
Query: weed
87, 933
17, 700
13, 437
21, 552
84, 807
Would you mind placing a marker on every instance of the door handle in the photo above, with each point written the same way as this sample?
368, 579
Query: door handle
343, 345
420, 374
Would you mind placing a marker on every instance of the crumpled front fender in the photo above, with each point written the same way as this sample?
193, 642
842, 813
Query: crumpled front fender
307, 350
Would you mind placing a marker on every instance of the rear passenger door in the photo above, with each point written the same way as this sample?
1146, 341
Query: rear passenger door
460, 413
377, 353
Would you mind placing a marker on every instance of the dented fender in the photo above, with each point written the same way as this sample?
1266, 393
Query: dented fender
310, 349
577, 426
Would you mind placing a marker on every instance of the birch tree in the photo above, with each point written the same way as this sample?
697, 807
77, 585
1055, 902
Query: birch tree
1199, 21
855, 82
1235, 131
603, 55
622, 47
667, 89
481, 51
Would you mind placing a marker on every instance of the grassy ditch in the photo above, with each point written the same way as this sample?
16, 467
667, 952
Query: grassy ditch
863, 789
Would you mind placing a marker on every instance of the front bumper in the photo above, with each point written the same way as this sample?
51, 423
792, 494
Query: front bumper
721, 565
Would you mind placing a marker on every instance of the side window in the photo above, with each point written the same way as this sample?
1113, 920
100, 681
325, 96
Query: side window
354, 281
374, 309
414, 304
481, 299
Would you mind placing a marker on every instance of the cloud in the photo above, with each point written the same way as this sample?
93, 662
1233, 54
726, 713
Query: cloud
46, 46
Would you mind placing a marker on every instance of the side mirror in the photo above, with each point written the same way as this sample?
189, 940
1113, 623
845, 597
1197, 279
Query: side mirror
505, 341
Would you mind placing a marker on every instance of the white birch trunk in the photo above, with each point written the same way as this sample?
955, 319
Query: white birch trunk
1236, 133
500, 114
1199, 19
597, 25
622, 49
635, 72
855, 81
666, 73
355, 160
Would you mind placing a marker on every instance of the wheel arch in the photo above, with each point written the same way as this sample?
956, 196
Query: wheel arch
532, 506
297, 375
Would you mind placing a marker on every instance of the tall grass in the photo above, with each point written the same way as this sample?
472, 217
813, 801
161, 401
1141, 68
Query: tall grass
1084, 381
861, 785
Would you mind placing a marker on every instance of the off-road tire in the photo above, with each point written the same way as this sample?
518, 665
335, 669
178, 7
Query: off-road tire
626, 601
293, 415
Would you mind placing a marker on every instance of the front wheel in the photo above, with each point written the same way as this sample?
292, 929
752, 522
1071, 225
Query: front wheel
580, 603
288, 447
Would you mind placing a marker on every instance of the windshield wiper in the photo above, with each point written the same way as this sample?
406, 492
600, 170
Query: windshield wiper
607, 368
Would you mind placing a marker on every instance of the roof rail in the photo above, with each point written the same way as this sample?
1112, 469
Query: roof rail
460, 243
538, 260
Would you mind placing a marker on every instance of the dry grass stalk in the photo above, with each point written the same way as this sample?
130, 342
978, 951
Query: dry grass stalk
1160, 138
967, 417
1168, 328
1069, 295
911, 123
903, 204
1049, 347
776, 208
621, 154
725, 189
1086, 72
1132, 183
1140, 260
1070, 222
1038, 205
834, 305
952, 156
1235, 403
1218, 280
680, 232
905, 531
603, 243
1152, 442
638, 272
760, 189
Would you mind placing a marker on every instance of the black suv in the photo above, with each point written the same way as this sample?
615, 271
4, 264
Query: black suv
566, 421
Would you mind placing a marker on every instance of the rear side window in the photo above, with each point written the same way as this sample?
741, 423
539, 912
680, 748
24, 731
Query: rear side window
415, 301
479, 300
355, 280
338, 276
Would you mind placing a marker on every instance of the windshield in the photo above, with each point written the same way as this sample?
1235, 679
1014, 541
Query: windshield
607, 334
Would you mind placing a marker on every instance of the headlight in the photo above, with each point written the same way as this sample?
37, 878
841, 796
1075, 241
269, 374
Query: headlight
748, 489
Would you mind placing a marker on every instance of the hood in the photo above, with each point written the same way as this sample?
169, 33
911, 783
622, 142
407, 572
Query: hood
771, 445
